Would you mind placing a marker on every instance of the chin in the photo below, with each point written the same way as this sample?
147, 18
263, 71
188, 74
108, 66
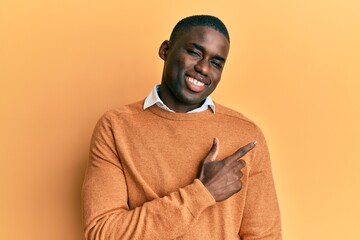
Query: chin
192, 100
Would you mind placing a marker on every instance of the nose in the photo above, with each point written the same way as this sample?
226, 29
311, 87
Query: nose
202, 67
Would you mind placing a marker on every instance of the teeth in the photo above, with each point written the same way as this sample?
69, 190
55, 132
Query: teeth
196, 82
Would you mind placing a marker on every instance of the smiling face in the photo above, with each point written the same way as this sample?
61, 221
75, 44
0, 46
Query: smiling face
192, 68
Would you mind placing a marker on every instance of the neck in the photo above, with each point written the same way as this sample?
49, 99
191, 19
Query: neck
171, 102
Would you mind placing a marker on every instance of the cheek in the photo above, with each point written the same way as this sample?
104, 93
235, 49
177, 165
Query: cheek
177, 68
181, 62
216, 76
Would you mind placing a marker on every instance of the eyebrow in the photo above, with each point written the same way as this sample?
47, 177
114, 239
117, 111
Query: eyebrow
201, 48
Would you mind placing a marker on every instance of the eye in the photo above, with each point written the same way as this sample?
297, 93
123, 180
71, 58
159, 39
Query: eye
217, 64
194, 53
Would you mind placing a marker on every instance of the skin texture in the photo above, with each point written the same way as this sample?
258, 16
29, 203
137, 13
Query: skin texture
223, 177
200, 55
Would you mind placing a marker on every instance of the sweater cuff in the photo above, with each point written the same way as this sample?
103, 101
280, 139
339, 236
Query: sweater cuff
200, 196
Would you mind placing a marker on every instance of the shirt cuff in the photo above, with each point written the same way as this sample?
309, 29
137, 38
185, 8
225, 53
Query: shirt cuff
200, 196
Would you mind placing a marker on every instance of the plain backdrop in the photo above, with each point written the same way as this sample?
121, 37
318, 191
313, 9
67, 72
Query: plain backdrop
293, 68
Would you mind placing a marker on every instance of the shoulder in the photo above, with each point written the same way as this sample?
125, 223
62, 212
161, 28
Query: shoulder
120, 114
122, 111
247, 125
237, 120
225, 112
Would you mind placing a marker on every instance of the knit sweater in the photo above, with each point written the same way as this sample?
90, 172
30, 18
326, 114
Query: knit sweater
141, 181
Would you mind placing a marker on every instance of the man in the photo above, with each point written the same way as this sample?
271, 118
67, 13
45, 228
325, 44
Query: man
151, 174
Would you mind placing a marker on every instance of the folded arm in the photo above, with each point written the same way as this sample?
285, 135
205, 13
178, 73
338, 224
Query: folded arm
261, 218
105, 199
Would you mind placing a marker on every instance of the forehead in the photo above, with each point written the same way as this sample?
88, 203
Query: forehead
209, 38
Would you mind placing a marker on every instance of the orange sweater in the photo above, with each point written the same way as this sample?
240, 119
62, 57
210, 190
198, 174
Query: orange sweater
141, 181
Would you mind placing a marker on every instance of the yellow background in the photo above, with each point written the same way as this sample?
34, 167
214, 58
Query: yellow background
293, 68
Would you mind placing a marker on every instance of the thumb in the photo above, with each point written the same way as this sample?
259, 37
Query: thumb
214, 151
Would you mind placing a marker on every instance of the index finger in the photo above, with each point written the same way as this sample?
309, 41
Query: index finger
243, 150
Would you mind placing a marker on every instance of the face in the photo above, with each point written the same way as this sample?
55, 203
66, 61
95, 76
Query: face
192, 68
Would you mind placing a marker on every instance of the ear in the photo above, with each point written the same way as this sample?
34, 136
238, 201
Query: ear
164, 49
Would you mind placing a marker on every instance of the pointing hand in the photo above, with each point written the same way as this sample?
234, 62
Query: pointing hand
222, 178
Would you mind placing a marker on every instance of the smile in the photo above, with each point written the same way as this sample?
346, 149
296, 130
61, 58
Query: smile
194, 84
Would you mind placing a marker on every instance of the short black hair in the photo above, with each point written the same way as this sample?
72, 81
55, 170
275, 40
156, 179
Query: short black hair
188, 23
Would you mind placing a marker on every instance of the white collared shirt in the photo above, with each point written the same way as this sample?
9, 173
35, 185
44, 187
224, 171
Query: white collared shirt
153, 98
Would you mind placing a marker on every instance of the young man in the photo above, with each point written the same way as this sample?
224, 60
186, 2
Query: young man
151, 174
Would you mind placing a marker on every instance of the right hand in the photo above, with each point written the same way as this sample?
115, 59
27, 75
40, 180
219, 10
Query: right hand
222, 178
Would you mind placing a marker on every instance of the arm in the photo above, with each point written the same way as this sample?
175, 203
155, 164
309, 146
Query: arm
106, 212
261, 219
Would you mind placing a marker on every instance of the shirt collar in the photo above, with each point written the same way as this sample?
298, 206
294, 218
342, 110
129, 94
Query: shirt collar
153, 98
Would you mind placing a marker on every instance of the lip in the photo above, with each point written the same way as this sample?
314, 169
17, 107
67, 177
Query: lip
195, 84
199, 78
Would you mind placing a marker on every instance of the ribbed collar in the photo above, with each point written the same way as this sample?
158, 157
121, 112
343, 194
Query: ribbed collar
153, 98
206, 115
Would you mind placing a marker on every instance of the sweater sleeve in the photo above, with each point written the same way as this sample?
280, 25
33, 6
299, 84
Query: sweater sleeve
105, 199
261, 218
